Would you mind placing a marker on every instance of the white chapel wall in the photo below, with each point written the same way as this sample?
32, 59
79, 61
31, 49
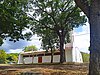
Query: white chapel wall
68, 54
20, 59
56, 58
28, 60
35, 60
77, 57
46, 59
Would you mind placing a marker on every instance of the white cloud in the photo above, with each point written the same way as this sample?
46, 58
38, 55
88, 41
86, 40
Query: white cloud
10, 46
14, 50
35, 41
82, 39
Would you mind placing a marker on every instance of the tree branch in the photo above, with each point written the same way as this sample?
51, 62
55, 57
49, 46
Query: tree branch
83, 5
45, 26
69, 14
66, 4
48, 14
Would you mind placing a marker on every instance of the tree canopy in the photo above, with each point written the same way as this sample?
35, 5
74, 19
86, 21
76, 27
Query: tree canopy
13, 19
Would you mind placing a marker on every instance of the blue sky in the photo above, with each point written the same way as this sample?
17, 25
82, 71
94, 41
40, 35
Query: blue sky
79, 29
81, 39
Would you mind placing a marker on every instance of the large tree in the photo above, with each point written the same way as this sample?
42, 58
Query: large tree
92, 10
13, 19
61, 16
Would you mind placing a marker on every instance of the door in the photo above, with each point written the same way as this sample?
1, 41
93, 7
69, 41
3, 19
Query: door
39, 59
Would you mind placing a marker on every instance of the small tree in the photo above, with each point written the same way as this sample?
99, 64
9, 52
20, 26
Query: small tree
49, 38
30, 48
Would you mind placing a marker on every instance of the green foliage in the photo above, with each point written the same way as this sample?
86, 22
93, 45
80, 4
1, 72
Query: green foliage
85, 57
6, 58
1, 41
30, 48
12, 57
57, 14
49, 38
13, 19
3, 56
89, 48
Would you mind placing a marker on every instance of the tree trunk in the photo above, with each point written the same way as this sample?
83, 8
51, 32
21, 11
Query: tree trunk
62, 51
23, 60
94, 19
32, 58
51, 55
93, 13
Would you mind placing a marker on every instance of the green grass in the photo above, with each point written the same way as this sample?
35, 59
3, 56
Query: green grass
85, 57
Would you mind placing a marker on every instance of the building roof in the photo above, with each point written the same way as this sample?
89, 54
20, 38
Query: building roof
68, 46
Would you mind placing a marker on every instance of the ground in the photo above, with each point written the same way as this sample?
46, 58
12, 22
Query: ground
45, 69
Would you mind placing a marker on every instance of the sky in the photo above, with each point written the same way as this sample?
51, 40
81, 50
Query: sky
11, 47
81, 39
